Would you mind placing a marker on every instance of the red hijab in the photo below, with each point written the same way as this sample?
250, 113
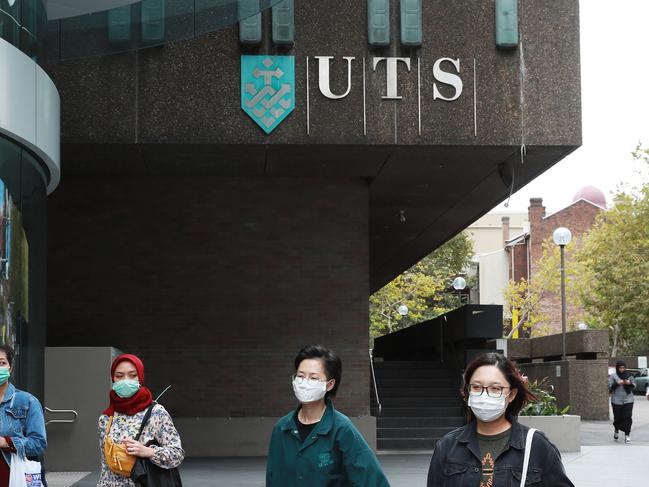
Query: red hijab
141, 400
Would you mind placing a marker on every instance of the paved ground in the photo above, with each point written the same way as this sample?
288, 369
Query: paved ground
597, 465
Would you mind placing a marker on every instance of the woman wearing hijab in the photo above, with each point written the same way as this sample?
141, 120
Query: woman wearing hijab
490, 449
121, 421
621, 384
22, 426
314, 444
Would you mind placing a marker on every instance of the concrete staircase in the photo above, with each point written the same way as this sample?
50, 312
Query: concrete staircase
420, 404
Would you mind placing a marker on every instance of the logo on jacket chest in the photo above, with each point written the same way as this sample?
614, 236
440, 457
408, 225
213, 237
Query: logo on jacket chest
324, 460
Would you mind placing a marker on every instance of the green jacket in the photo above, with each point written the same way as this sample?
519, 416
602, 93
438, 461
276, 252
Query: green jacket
335, 454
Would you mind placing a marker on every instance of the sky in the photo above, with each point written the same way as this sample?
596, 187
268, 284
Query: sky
615, 107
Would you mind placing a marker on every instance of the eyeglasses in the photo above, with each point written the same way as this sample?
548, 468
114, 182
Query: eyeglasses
492, 391
301, 380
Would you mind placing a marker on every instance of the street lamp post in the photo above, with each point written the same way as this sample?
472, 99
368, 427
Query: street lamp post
459, 283
562, 237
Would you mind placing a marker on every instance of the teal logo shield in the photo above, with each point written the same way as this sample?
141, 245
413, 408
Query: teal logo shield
268, 89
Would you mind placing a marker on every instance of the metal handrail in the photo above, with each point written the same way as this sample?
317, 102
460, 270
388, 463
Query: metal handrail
62, 411
376, 389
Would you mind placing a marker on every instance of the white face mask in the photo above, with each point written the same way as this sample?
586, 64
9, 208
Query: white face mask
305, 392
487, 408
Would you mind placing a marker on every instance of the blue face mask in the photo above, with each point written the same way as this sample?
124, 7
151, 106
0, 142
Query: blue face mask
126, 388
5, 373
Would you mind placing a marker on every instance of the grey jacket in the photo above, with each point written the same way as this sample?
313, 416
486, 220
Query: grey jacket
618, 393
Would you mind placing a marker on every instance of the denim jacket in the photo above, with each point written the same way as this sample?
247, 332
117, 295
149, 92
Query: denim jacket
456, 461
21, 419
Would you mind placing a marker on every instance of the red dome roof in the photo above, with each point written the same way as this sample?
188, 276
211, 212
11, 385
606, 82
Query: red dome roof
592, 194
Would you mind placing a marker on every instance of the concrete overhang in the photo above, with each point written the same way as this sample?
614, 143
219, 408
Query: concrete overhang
177, 110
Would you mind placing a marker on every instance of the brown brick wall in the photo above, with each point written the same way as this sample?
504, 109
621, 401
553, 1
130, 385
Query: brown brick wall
216, 283
520, 262
578, 218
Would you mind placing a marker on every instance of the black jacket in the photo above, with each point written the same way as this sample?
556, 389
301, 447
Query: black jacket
456, 461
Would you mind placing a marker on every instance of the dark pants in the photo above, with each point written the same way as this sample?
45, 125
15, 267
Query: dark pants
622, 417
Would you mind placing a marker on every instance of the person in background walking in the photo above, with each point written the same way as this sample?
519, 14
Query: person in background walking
314, 444
621, 384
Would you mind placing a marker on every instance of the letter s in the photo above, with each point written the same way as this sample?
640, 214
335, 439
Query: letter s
447, 78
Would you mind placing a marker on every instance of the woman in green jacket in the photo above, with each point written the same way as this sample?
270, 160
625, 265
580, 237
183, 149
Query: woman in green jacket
315, 445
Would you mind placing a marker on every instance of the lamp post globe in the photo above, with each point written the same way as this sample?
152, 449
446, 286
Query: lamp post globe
459, 283
562, 236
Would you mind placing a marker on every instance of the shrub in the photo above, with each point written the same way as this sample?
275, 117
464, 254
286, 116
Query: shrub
546, 404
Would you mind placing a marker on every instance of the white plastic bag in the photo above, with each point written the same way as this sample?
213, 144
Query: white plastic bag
24, 473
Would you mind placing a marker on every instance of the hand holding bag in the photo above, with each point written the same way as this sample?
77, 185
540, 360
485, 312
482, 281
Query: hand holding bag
145, 473
117, 458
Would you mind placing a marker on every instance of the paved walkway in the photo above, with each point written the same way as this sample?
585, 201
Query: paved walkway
602, 462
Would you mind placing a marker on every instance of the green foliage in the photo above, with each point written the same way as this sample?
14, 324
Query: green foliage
530, 297
616, 253
546, 405
641, 153
422, 288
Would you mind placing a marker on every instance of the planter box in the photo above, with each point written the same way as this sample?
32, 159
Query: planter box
563, 431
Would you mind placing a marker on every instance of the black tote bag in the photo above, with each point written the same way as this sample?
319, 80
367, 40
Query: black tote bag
145, 473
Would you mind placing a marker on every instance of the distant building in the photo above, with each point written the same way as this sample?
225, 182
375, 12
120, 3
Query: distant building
519, 255
490, 234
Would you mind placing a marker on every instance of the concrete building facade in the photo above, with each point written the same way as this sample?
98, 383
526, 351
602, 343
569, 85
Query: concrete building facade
190, 228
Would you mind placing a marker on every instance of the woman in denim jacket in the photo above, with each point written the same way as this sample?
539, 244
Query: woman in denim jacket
489, 451
22, 425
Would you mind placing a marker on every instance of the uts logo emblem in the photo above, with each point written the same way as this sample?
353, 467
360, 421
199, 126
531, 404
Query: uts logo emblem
268, 89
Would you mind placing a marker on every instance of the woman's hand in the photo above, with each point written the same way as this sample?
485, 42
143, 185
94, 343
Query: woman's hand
137, 449
4, 444
620, 382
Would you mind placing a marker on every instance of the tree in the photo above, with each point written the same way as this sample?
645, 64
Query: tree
615, 257
616, 252
422, 288
531, 299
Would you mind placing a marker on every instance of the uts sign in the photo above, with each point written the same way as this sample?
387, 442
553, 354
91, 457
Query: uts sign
268, 84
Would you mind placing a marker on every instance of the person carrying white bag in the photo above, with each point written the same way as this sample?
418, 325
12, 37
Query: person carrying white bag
24, 473
22, 430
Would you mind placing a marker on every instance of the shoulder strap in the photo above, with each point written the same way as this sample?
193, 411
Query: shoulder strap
526, 458
147, 415
109, 425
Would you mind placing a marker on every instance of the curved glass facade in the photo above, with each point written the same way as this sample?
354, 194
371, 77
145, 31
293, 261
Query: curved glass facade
145, 23
23, 23
22, 262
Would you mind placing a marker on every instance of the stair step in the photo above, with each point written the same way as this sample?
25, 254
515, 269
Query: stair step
388, 402
416, 382
433, 373
438, 432
420, 412
409, 364
414, 422
406, 443
418, 392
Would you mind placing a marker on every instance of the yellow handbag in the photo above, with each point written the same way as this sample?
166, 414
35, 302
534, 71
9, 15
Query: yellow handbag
117, 459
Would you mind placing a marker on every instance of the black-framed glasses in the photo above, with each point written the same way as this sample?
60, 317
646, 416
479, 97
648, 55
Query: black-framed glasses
492, 391
310, 381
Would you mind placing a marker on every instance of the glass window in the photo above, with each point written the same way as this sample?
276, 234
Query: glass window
22, 263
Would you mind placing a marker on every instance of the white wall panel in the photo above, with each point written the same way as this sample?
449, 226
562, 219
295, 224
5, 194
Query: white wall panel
30, 108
